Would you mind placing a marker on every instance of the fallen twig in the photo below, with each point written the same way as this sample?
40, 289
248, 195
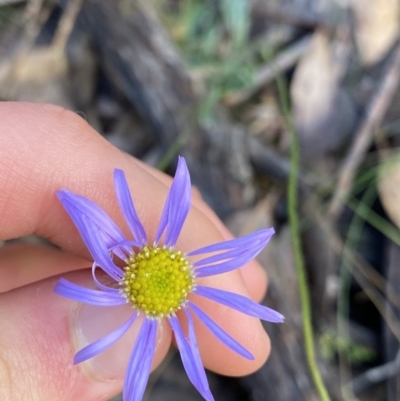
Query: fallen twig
375, 375
373, 116
296, 16
272, 164
370, 274
285, 60
67, 23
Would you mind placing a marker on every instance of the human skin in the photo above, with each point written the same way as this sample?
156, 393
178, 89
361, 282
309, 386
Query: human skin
45, 148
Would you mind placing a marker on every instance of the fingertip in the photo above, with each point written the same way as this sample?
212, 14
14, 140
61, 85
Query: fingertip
253, 274
246, 330
255, 279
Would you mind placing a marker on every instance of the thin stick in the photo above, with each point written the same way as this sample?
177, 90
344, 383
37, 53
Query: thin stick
32, 23
374, 114
376, 375
285, 60
360, 264
380, 303
67, 23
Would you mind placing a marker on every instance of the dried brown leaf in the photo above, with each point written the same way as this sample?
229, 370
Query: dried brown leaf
389, 189
376, 27
323, 112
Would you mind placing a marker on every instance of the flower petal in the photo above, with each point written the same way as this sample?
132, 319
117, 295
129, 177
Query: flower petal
80, 208
196, 356
221, 334
99, 284
124, 245
97, 247
88, 295
241, 242
75, 204
229, 265
190, 357
127, 207
240, 303
140, 361
163, 220
233, 253
184, 349
177, 205
103, 343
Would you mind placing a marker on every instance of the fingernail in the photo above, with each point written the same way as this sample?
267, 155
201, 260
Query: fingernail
93, 323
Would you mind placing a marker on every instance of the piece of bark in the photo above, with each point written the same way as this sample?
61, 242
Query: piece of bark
139, 60
324, 119
376, 28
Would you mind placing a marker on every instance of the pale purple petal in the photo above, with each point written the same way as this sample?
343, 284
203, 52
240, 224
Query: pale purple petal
98, 283
234, 253
125, 245
140, 361
177, 205
76, 205
241, 242
221, 334
88, 295
103, 343
197, 358
163, 220
127, 207
184, 349
190, 357
230, 264
97, 248
240, 303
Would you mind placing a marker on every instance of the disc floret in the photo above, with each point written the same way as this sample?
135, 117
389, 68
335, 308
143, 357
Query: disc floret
157, 281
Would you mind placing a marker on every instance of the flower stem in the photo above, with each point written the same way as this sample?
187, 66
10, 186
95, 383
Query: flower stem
297, 250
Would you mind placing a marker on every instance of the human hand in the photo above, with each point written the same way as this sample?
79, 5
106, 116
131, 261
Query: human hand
43, 149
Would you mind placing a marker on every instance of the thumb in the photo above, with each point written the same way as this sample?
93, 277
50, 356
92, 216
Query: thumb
42, 335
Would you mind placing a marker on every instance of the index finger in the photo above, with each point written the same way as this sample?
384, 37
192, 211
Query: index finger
44, 148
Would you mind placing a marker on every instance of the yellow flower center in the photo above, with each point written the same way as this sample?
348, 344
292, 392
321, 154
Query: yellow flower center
157, 281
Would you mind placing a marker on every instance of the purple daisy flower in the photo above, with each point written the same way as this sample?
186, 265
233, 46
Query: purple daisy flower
157, 279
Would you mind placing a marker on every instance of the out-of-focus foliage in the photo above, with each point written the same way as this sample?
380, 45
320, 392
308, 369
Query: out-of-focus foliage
355, 354
9, 15
214, 38
236, 17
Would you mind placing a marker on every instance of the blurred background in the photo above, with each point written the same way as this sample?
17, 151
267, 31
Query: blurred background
229, 84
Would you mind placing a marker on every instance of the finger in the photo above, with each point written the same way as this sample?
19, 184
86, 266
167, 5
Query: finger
77, 158
38, 343
243, 328
24, 263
